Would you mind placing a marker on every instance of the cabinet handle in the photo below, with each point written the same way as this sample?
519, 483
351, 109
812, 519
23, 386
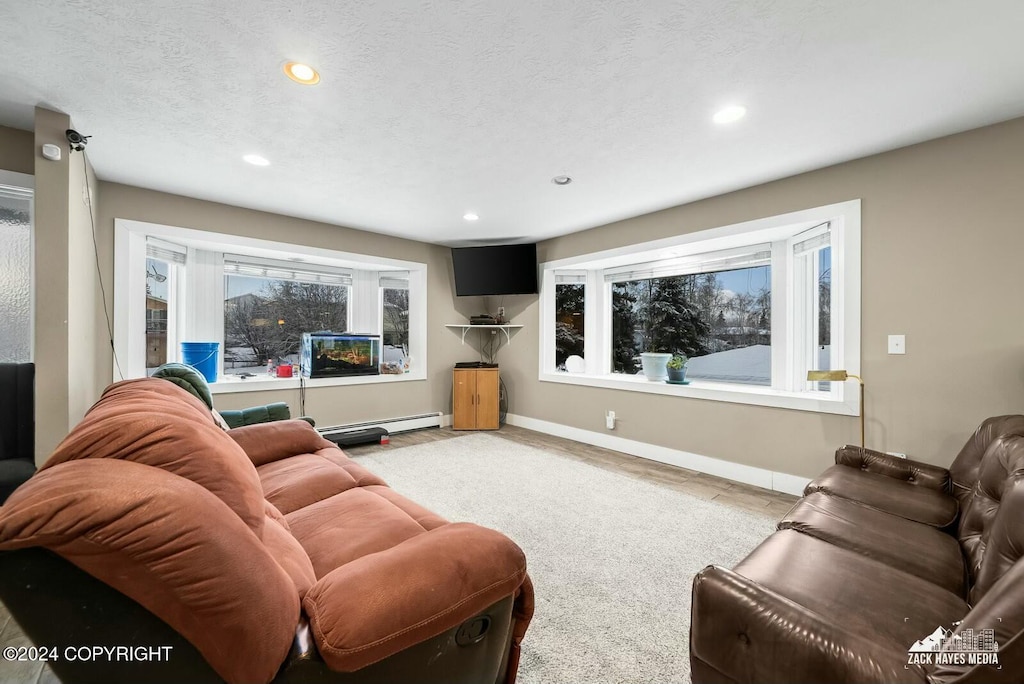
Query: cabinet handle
472, 399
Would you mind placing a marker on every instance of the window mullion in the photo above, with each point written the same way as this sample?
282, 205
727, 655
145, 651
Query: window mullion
782, 315
594, 339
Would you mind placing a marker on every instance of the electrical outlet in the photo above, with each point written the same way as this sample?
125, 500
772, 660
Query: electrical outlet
609, 420
897, 454
897, 344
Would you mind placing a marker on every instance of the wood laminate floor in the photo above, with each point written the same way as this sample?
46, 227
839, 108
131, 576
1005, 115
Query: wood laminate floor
703, 486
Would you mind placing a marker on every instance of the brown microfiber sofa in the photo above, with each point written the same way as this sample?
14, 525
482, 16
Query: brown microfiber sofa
258, 554
879, 554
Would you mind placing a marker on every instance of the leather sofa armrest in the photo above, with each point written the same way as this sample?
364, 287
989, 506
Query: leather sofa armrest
912, 472
749, 633
269, 442
380, 604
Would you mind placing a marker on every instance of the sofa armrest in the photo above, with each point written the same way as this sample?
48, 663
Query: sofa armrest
383, 603
269, 442
749, 633
912, 472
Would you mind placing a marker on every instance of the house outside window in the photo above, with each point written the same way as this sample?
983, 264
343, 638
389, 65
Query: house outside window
754, 306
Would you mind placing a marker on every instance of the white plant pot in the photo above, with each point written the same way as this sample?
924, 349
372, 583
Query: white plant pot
655, 365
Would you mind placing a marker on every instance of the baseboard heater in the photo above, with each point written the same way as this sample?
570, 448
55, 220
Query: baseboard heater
392, 425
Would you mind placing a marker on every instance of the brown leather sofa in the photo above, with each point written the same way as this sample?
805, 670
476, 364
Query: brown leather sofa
253, 555
879, 554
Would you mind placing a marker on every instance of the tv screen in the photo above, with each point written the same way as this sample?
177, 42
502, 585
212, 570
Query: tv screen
502, 270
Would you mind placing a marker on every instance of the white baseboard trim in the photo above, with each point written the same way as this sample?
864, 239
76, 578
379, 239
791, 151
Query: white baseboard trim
737, 472
446, 420
403, 424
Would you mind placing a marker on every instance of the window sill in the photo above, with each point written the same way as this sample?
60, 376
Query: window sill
716, 391
264, 384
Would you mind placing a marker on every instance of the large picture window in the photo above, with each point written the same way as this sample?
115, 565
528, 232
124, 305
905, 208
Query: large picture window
752, 306
257, 298
721, 321
264, 319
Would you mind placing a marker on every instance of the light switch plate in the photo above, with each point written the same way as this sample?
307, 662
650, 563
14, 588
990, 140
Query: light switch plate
897, 344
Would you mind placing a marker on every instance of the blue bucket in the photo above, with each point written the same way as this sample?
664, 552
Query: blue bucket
202, 356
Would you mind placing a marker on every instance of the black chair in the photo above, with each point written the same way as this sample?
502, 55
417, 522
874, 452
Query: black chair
17, 426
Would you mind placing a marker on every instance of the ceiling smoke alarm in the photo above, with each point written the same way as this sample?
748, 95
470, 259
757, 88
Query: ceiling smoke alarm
561, 180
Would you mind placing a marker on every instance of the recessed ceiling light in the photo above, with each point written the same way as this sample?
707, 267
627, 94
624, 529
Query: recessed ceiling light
301, 73
561, 180
470, 217
256, 160
729, 114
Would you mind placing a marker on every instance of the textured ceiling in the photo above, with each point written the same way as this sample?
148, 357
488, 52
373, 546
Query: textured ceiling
433, 108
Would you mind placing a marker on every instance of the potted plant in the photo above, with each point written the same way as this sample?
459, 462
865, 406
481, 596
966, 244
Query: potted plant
676, 367
654, 365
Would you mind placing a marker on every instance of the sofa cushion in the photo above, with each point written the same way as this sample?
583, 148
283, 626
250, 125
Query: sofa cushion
170, 545
350, 525
921, 550
385, 602
920, 504
268, 442
967, 464
1002, 460
299, 481
154, 422
289, 554
868, 598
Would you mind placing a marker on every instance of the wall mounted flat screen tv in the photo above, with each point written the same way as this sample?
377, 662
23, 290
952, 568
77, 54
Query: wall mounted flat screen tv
499, 270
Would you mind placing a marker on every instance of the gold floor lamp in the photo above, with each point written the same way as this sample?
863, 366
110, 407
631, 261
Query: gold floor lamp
841, 376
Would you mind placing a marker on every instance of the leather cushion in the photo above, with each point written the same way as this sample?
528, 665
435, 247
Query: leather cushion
1003, 458
385, 602
868, 598
919, 504
154, 422
967, 464
170, 545
921, 550
303, 480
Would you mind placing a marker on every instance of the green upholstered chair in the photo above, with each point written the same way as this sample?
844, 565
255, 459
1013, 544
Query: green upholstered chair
191, 380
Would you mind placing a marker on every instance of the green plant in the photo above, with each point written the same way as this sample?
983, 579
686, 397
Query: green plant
678, 362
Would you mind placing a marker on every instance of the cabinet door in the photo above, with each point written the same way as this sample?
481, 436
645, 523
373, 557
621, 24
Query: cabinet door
487, 399
464, 400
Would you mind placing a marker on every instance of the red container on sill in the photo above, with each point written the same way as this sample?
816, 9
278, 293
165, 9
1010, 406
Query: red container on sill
284, 370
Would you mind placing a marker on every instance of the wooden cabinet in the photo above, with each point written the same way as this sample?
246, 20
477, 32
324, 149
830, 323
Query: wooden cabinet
475, 399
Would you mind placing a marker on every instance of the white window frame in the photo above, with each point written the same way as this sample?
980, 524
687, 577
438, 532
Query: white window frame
201, 318
789, 388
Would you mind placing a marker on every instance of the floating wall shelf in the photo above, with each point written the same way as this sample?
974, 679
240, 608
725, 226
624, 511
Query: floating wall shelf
466, 327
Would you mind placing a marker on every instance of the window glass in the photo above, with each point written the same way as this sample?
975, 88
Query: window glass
720, 320
394, 329
569, 301
823, 321
16, 275
264, 319
157, 301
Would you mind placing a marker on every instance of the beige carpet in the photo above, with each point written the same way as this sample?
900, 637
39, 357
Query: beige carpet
612, 557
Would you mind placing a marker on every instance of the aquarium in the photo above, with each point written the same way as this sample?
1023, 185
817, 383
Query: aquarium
332, 355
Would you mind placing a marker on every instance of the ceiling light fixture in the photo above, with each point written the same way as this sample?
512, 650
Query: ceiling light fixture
301, 73
256, 160
561, 180
470, 217
729, 114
